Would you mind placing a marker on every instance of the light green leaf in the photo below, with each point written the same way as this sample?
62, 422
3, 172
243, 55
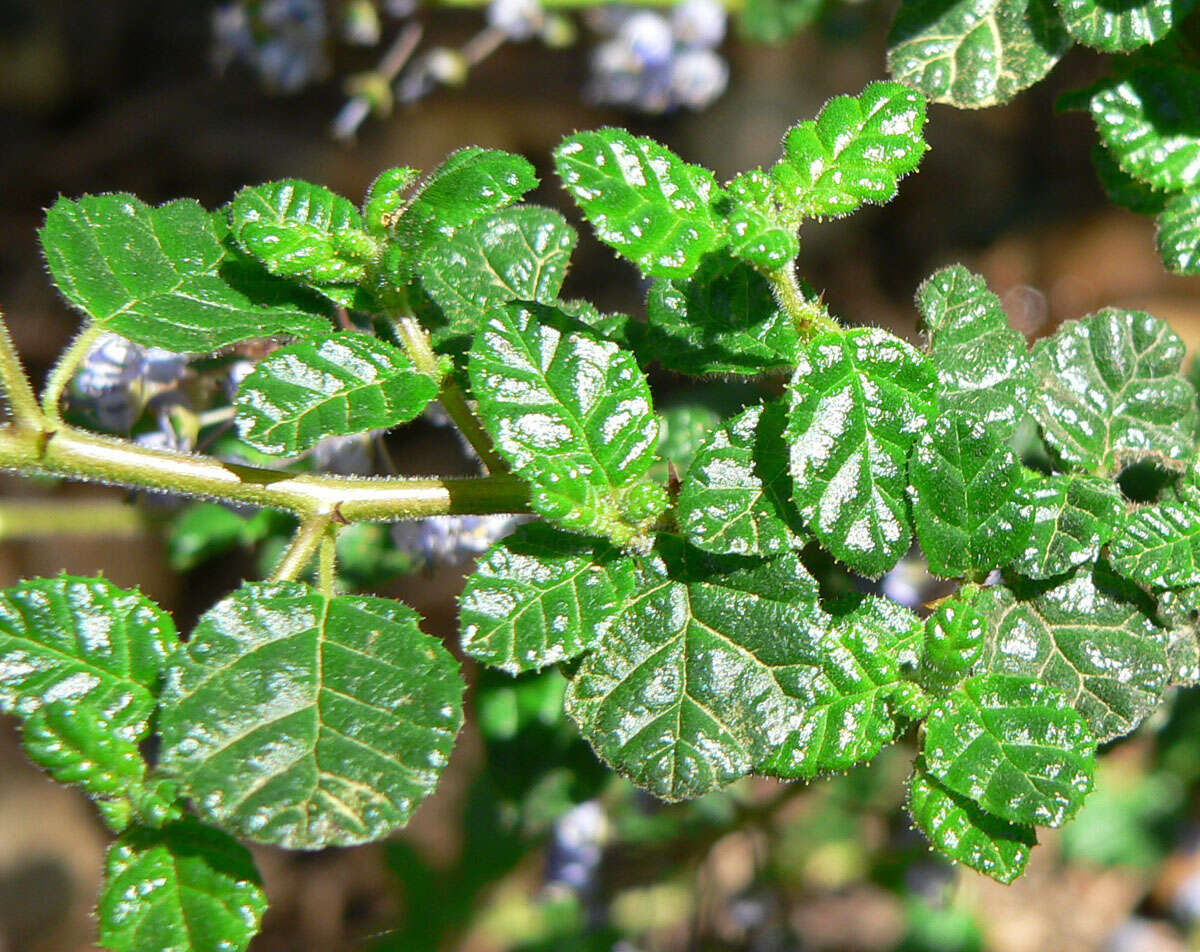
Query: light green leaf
770, 21
1183, 654
963, 485
1180, 607
757, 235
859, 400
80, 663
349, 383
954, 636
966, 834
184, 888
736, 498
855, 151
1178, 235
1070, 516
540, 596
306, 721
571, 413
643, 201
161, 276
683, 428
297, 229
974, 53
1118, 26
1109, 392
1159, 545
385, 199
982, 364
1012, 745
1086, 638
724, 319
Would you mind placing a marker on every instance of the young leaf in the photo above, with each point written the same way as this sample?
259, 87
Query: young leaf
184, 888
306, 721
514, 254
1178, 235
80, 662
1121, 27
349, 383
571, 413
757, 233
859, 401
1110, 392
723, 320
1159, 545
385, 199
1088, 640
974, 53
155, 275
963, 485
1012, 745
1070, 516
736, 498
966, 834
1148, 119
300, 230
953, 642
982, 364
643, 201
540, 596
855, 151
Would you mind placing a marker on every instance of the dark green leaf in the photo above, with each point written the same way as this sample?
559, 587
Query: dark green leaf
571, 413
1159, 545
859, 401
1070, 517
643, 201
306, 721
1118, 26
1178, 235
1122, 188
1012, 745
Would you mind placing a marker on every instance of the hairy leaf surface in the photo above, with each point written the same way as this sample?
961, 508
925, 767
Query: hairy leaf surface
1070, 517
1118, 26
954, 640
757, 232
1159, 545
1178, 235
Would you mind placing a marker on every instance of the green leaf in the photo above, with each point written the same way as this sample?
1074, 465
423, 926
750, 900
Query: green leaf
736, 497
1148, 119
954, 636
1180, 607
571, 413
859, 399
851, 691
306, 721
1110, 392
1012, 745
1070, 517
682, 429
515, 254
1086, 638
770, 21
1183, 654
80, 663
1122, 188
982, 364
966, 834
1159, 546
643, 201
539, 597
1118, 26
184, 888
855, 151
963, 487
349, 383
158, 276
723, 320
757, 235
385, 199
974, 53
1178, 235
300, 230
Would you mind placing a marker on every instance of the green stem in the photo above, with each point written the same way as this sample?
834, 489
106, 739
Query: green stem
327, 561
809, 317
22, 401
64, 370
35, 519
303, 546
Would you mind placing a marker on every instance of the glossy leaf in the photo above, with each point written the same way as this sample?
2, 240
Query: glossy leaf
1121, 26
757, 233
1070, 517
982, 364
571, 413
349, 383
974, 53
540, 596
1109, 392
158, 276
385, 199
1178, 235
306, 721
1086, 638
855, 151
960, 830
736, 498
643, 201
963, 485
184, 888
859, 401
724, 319
1123, 189
954, 642
1012, 745
1159, 545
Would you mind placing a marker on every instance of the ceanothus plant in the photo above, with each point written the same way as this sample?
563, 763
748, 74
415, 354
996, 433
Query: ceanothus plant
689, 604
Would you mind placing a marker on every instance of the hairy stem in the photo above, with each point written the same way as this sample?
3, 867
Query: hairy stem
308, 538
22, 402
64, 370
808, 317
327, 561
35, 519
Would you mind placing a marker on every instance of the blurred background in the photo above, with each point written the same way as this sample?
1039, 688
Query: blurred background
528, 844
